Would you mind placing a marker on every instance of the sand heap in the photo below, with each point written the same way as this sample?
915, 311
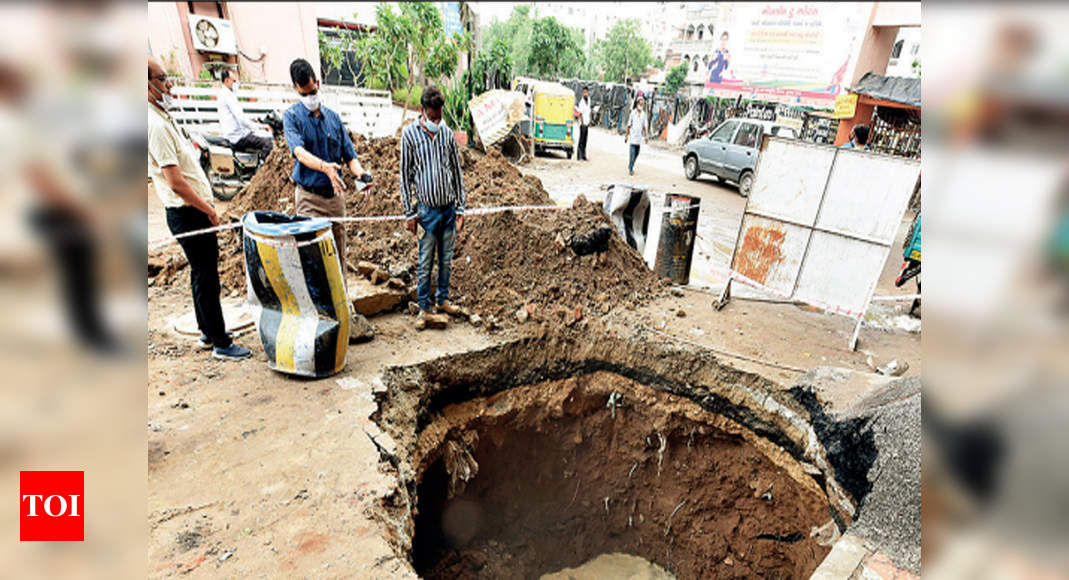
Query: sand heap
558, 264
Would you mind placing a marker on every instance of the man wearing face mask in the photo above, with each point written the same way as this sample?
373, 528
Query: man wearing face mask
318, 139
184, 190
430, 172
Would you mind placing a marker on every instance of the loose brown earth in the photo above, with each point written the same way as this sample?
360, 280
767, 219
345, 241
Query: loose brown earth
559, 480
502, 262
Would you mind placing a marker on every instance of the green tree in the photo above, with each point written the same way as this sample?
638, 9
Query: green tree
658, 63
623, 52
405, 41
553, 49
675, 79
383, 54
492, 67
516, 34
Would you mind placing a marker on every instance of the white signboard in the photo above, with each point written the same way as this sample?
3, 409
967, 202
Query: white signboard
820, 222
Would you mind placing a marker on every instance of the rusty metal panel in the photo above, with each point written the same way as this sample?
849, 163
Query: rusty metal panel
789, 179
770, 252
867, 194
820, 222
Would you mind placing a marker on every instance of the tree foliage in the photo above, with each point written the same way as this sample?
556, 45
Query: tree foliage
406, 40
542, 47
623, 52
492, 67
553, 49
675, 79
383, 54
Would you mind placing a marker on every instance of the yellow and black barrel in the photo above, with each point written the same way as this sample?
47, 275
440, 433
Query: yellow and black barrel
297, 292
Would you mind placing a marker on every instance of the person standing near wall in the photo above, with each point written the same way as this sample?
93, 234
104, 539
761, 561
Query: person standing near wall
859, 138
582, 110
636, 132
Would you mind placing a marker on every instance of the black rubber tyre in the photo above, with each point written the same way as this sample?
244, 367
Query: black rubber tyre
746, 183
690, 167
220, 193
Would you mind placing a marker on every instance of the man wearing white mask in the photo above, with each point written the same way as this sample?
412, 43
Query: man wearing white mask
184, 190
318, 139
433, 197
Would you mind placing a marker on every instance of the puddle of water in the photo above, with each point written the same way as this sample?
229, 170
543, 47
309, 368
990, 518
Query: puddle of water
618, 566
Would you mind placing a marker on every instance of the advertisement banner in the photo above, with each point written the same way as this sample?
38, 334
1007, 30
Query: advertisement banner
797, 54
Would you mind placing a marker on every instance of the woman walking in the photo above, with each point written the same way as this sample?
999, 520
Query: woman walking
636, 132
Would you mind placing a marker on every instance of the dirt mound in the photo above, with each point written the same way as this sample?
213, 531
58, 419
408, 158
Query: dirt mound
560, 264
271, 187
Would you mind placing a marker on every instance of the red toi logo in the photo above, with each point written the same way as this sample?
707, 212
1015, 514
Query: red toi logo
52, 506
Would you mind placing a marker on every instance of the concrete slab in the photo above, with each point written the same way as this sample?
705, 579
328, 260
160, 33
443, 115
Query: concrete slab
845, 557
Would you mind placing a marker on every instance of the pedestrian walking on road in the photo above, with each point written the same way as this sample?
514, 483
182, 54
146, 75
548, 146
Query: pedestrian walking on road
432, 195
184, 190
318, 139
636, 132
582, 111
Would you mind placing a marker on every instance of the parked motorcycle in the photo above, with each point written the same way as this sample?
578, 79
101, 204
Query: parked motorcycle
228, 169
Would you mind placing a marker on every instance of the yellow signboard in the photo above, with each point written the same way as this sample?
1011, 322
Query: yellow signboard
845, 106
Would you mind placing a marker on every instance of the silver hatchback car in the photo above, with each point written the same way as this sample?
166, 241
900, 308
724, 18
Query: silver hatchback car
730, 151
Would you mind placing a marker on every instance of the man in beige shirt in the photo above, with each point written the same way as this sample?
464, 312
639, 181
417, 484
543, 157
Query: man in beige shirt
184, 190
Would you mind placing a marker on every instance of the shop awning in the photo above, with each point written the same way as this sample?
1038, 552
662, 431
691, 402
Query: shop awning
901, 90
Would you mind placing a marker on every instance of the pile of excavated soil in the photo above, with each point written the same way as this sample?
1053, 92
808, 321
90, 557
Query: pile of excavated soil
537, 478
502, 262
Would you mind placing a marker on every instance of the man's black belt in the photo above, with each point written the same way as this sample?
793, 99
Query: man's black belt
320, 190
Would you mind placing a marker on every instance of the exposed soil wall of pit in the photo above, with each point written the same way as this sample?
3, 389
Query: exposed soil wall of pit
510, 462
543, 477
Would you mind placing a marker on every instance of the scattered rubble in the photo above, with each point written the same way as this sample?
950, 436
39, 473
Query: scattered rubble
568, 258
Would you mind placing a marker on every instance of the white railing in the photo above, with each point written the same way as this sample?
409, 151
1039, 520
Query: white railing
362, 110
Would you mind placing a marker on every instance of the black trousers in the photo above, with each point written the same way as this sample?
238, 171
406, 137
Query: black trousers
583, 129
74, 250
202, 252
253, 142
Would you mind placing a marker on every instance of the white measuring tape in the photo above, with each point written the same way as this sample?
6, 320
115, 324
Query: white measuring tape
160, 242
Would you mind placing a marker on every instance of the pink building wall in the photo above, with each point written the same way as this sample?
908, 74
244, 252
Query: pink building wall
285, 30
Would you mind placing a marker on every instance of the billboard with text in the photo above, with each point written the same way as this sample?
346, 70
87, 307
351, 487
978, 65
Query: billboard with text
799, 54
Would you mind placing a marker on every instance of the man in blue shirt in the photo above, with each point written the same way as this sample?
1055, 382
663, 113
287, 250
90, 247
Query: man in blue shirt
859, 138
318, 139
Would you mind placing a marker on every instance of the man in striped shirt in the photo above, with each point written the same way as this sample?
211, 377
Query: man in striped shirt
430, 173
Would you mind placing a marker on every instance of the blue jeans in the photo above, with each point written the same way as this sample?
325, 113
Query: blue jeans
439, 233
634, 156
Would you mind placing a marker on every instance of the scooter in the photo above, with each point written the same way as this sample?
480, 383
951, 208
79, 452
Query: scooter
228, 169
911, 267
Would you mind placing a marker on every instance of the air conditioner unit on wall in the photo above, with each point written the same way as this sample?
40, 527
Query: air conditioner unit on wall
212, 34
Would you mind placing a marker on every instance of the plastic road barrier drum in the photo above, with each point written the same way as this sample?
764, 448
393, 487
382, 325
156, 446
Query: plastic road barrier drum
296, 292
